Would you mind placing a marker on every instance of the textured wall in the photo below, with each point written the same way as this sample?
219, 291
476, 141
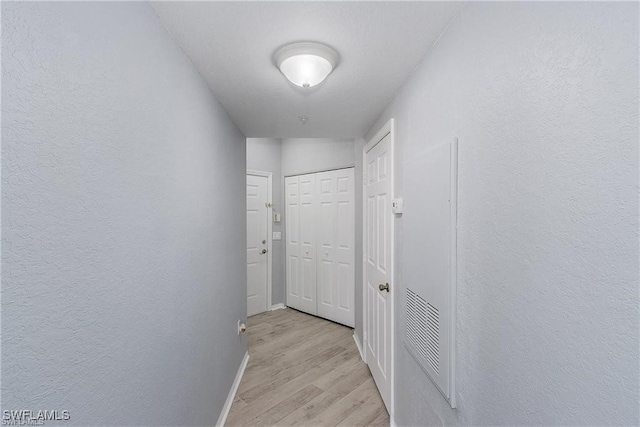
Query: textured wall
264, 154
306, 155
544, 99
123, 252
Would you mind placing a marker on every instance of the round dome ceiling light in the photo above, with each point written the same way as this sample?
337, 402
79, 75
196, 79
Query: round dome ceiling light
306, 64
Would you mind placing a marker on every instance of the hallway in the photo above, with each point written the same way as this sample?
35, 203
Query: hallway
455, 182
304, 370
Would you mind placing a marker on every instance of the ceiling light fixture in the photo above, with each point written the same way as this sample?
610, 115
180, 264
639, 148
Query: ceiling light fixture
306, 64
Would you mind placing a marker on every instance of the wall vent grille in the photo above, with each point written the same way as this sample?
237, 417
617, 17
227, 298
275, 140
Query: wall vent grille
423, 329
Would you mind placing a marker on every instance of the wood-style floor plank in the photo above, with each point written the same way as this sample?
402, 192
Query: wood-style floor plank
304, 371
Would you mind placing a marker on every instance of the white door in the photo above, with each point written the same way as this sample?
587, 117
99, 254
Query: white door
336, 288
308, 220
320, 244
378, 192
292, 221
257, 253
301, 243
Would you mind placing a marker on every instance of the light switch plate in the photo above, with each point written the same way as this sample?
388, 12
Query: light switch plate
397, 206
277, 235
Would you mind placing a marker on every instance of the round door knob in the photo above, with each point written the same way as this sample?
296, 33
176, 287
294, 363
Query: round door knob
264, 251
384, 287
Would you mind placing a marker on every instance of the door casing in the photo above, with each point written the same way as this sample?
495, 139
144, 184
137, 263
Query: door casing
269, 206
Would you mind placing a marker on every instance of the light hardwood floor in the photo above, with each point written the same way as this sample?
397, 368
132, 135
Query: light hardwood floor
304, 371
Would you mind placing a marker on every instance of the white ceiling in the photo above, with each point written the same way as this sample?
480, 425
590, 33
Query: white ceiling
232, 45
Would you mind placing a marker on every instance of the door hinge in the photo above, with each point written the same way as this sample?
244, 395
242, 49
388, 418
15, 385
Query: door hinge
268, 205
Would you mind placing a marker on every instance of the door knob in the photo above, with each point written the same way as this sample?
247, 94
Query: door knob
264, 251
384, 287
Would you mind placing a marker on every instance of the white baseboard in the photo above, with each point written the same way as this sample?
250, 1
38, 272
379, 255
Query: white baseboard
357, 340
278, 306
232, 393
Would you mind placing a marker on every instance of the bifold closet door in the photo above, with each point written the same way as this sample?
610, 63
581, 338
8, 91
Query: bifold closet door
300, 220
320, 244
336, 237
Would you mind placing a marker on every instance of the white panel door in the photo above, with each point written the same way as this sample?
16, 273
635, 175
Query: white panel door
292, 218
336, 288
307, 223
377, 271
257, 256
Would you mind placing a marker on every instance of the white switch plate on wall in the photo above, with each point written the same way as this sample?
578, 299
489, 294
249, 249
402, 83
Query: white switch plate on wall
277, 235
397, 206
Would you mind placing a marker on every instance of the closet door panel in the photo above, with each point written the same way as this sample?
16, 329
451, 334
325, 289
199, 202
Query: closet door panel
308, 221
292, 272
326, 234
336, 286
320, 244
345, 247
345, 241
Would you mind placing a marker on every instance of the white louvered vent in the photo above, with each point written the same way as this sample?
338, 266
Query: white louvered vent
423, 330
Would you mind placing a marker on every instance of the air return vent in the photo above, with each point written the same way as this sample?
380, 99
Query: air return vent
423, 329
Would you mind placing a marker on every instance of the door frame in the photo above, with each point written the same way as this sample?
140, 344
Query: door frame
269, 206
387, 129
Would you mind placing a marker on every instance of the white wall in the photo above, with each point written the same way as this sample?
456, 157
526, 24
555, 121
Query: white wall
544, 99
306, 155
264, 154
123, 252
